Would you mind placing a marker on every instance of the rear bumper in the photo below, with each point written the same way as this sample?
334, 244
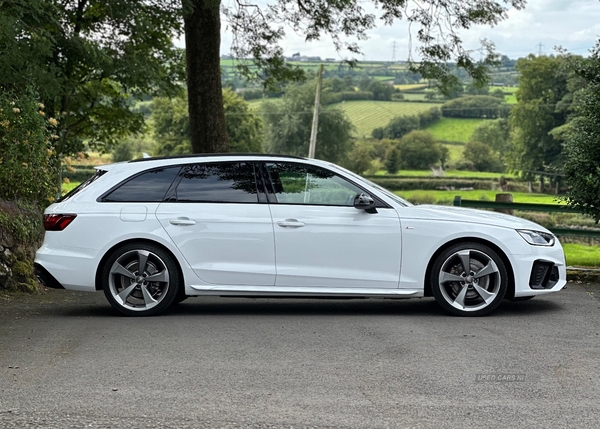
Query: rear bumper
46, 278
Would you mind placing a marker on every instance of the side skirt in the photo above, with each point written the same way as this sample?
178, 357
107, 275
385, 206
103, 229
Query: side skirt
288, 291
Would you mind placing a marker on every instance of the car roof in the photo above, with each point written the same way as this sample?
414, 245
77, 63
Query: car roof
219, 155
156, 162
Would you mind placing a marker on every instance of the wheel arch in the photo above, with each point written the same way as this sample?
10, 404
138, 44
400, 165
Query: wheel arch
510, 291
100, 268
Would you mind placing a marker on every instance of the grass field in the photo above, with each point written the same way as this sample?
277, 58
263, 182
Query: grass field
367, 115
581, 255
411, 86
447, 197
512, 98
456, 174
454, 129
384, 78
416, 96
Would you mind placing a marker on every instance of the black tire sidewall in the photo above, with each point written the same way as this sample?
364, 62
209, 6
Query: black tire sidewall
437, 266
174, 279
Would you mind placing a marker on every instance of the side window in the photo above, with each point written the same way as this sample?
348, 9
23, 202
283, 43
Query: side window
227, 182
306, 184
150, 186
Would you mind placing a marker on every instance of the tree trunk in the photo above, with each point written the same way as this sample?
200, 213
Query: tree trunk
205, 95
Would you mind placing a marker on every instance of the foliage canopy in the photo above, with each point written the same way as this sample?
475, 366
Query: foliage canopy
289, 126
582, 146
172, 125
88, 59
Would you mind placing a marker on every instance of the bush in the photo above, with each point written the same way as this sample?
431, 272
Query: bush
392, 159
419, 151
78, 174
338, 97
359, 158
476, 106
462, 165
122, 152
26, 170
483, 157
402, 125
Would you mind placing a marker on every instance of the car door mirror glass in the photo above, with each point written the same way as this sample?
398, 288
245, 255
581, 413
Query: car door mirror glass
364, 202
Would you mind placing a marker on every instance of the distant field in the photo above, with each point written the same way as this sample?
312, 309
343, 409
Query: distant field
447, 197
454, 129
384, 78
367, 115
512, 98
411, 86
455, 152
255, 104
416, 96
458, 174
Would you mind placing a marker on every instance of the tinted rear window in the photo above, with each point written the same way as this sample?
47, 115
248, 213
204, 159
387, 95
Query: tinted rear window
150, 186
227, 182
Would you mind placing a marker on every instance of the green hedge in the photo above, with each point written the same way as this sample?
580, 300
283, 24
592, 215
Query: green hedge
80, 174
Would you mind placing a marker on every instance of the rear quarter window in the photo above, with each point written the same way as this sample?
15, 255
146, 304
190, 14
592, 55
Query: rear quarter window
149, 186
82, 186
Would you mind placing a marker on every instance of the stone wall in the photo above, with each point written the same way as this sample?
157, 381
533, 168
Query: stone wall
21, 233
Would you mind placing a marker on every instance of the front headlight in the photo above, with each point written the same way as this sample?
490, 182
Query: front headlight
537, 238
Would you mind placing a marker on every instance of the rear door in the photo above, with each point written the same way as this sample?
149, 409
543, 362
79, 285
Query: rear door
220, 220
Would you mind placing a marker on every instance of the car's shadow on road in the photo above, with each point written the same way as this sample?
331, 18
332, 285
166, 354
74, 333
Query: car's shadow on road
424, 307
93, 305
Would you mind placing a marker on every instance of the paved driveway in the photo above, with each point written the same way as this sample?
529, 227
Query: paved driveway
67, 360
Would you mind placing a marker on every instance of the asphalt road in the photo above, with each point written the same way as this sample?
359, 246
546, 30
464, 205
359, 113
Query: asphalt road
68, 361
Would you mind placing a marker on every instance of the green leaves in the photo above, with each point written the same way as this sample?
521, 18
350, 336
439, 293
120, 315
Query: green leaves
288, 125
582, 145
26, 149
88, 59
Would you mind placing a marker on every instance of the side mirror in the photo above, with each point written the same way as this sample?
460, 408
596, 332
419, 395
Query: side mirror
364, 202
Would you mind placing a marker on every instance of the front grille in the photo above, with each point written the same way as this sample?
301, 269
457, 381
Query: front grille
544, 275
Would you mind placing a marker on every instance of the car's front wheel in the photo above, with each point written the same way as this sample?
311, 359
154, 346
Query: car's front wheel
140, 279
469, 279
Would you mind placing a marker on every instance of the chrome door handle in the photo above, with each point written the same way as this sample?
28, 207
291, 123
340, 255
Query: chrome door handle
291, 223
182, 221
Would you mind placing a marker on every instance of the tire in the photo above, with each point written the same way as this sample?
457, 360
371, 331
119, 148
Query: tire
476, 292
180, 298
140, 292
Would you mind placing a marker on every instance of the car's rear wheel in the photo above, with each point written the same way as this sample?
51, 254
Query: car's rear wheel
469, 279
140, 279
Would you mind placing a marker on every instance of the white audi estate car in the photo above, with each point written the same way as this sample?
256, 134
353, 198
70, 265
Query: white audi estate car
152, 232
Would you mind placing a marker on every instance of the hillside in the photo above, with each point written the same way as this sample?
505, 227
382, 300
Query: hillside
454, 129
367, 115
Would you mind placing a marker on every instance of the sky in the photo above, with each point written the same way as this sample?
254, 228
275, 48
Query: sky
539, 28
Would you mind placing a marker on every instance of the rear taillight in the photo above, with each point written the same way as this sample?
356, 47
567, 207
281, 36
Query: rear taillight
57, 222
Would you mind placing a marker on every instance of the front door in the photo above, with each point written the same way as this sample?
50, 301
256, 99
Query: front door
321, 240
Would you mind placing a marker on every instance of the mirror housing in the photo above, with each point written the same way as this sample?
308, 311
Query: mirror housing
364, 202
